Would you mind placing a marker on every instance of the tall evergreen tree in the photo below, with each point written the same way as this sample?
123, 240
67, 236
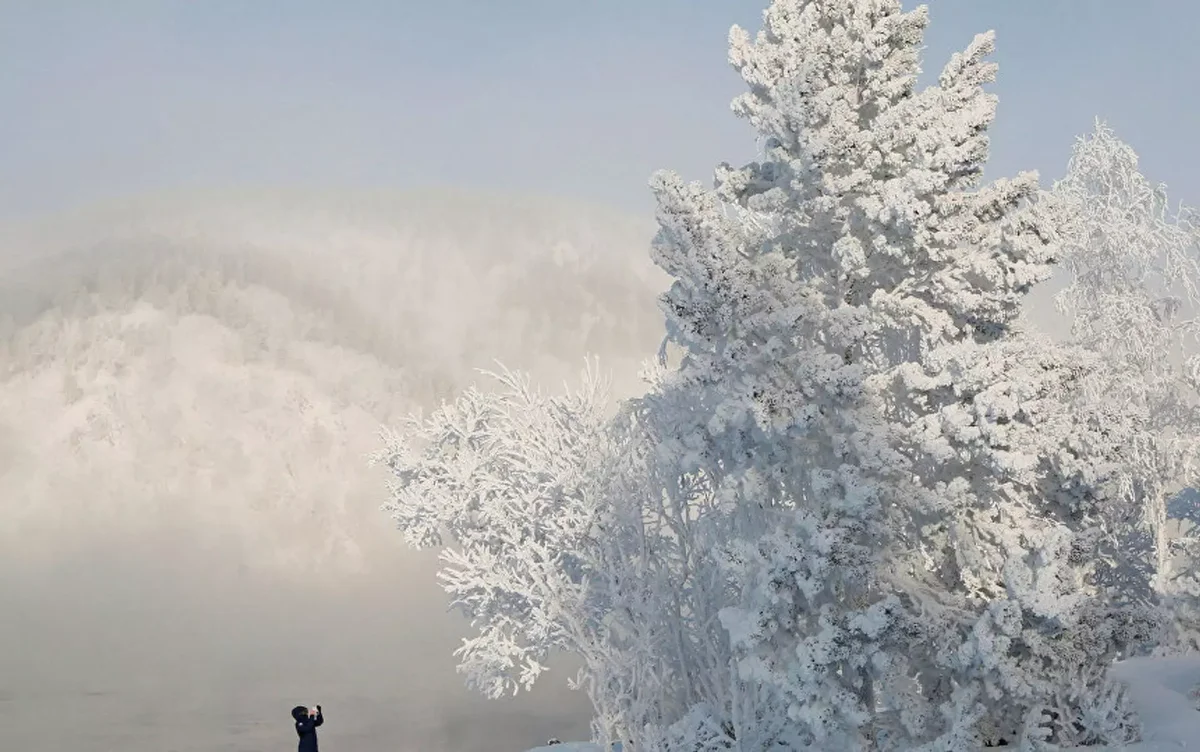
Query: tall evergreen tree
863, 510
911, 494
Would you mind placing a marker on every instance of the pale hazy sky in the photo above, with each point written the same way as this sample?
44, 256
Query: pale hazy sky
583, 100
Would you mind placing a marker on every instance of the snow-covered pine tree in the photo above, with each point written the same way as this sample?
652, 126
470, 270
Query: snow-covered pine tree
1132, 296
909, 499
862, 511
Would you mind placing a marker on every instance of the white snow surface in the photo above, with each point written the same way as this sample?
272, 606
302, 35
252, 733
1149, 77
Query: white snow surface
1163, 691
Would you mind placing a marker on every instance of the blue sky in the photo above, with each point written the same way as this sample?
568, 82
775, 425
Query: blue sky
582, 100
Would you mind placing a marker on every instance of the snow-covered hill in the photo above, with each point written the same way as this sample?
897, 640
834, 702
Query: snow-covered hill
220, 367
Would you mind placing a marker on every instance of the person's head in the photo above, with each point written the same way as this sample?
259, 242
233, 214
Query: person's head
299, 712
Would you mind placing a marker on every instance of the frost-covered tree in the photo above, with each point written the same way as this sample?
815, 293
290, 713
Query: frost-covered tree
911, 500
1132, 295
556, 537
504, 483
861, 512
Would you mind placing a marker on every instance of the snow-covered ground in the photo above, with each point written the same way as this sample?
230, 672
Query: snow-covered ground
1164, 691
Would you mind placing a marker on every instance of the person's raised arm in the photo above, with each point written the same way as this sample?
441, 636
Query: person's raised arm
319, 719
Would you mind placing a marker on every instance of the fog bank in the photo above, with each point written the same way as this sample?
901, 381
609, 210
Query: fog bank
191, 385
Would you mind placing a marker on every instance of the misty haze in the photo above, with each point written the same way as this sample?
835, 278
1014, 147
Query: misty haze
205, 544
241, 242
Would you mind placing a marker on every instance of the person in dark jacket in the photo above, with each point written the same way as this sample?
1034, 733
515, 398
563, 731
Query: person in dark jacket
306, 726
